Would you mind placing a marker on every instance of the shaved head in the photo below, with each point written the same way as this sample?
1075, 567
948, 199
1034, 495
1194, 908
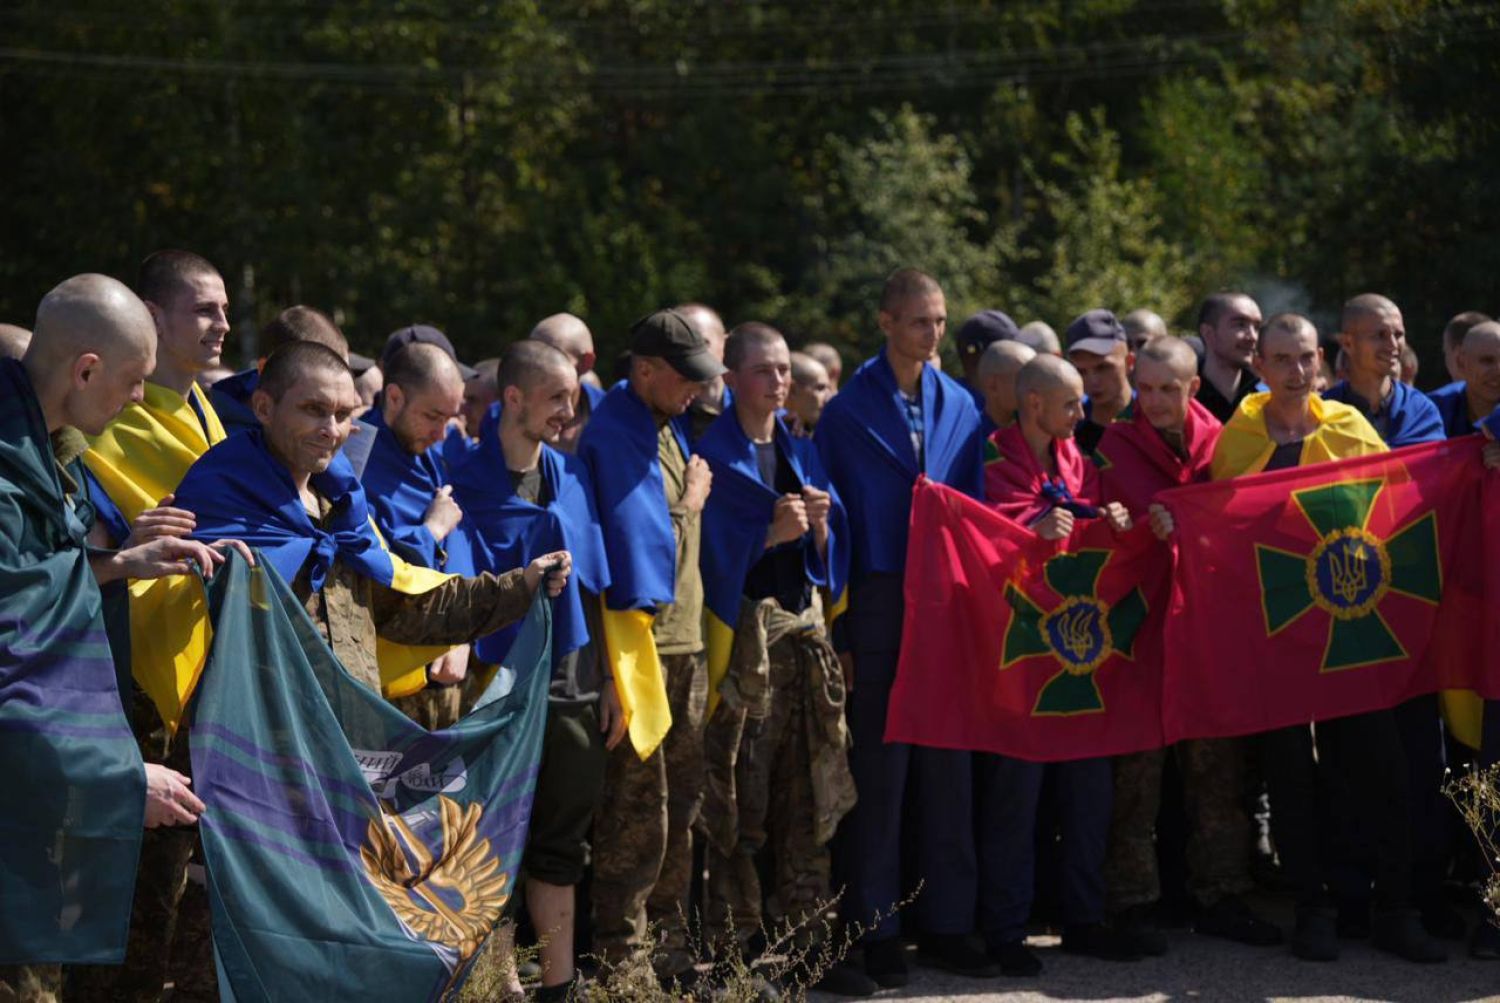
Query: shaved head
1044, 373
1364, 305
93, 347
13, 341
569, 335
302, 323
745, 337
1004, 358
707, 322
806, 369
1174, 353
419, 366
904, 284
527, 363
1040, 338
92, 313
1142, 324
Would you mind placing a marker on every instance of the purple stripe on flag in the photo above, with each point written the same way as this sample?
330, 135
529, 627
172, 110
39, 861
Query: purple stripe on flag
229, 831
280, 803
71, 730
360, 793
43, 686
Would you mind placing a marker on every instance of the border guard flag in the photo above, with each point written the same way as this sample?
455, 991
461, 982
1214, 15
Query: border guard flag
352, 855
1317, 592
1040, 650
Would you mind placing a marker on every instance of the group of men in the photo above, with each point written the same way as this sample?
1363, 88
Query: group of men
723, 533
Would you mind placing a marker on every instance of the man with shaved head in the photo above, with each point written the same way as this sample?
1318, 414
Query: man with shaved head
811, 388
1040, 338
996, 373
1228, 323
1453, 336
1371, 337
94, 347
1288, 426
231, 396
1141, 326
521, 498
134, 468
714, 399
895, 420
572, 337
13, 341
830, 358
1040, 479
406, 481
1463, 405
479, 393
1168, 442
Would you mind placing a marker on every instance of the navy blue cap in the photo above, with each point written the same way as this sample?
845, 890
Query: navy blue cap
985, 327
424, 334
1096, 331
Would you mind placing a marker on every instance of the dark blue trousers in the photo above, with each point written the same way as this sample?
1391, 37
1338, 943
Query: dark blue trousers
1008, 794
868, 848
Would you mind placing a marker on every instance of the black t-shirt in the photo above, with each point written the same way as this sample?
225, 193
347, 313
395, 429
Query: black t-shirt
1087, 435
1284, 457
1218, 405
781, 572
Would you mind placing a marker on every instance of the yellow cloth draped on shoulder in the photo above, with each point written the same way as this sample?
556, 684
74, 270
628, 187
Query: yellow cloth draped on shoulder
141, 458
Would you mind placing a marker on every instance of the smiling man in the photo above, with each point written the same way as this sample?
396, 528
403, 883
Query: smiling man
1098, 349
1360, 758
523, 497
1228, 323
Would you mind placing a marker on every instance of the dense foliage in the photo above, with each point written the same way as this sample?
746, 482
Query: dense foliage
477, 165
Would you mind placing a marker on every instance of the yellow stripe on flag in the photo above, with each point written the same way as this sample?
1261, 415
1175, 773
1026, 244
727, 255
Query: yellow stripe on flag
1464, 712
720, 638
638, 677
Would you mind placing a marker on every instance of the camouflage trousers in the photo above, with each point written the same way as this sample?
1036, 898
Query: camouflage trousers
643, 851
775, 749
1218, 829
30, 983
171, 928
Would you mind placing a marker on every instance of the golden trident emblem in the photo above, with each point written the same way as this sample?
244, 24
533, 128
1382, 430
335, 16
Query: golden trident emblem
454, 899
1076, 626
1349, 572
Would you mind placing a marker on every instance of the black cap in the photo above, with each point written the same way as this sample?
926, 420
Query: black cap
427, 335
985, 328
1096, 331
666, 334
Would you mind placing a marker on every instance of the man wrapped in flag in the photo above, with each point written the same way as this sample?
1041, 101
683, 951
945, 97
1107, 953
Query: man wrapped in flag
650, 493
1291, 426
76, 798
1041, 480
898, 419
521, 497
1168, 441
406, 481
134, 469
774, 533
1372, 335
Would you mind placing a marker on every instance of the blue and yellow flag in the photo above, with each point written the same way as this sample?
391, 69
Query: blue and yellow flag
1245, 447
399, 487
735, 520
238, 491
72, 805
352, 854
619, 445
501, 531
865, 438
139, 459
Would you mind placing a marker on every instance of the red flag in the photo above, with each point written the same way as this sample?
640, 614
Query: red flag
1040, 650
1322, 591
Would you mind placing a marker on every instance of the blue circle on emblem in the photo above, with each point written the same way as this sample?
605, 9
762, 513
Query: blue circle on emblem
1350, 571
1078, 633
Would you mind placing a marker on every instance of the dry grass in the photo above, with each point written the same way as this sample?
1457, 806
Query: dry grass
1477, 796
